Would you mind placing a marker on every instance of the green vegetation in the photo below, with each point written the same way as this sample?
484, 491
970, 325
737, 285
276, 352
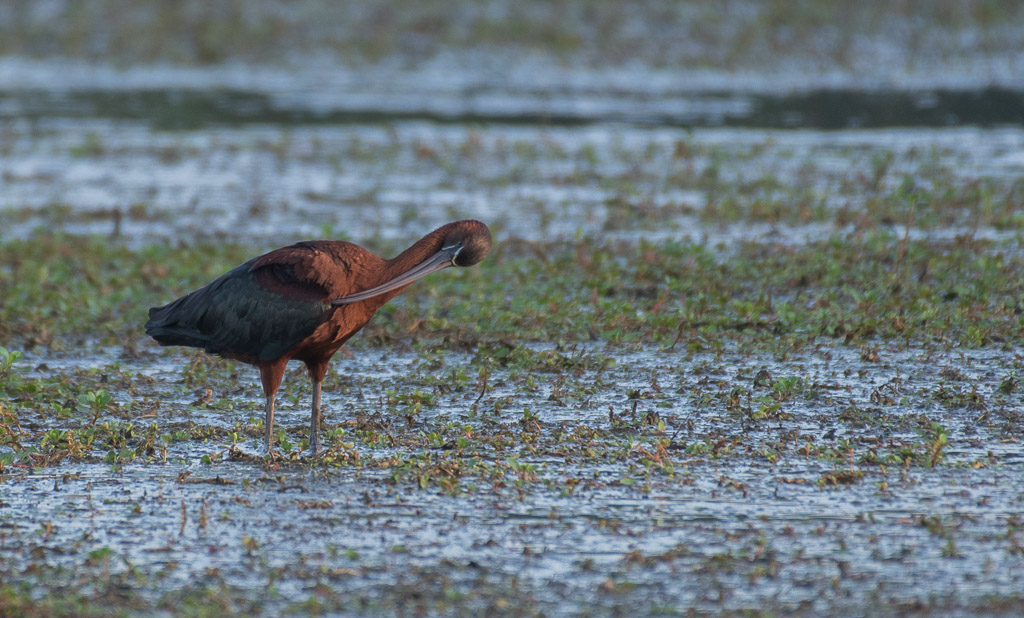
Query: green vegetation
874, 296
958, 293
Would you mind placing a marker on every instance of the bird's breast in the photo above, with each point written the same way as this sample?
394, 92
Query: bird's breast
332, 333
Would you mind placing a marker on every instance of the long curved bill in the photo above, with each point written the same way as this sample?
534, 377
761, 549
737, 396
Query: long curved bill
439, 261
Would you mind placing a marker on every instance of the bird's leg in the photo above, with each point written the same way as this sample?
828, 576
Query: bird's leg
314, 421
271, 374
316, 376
268, 424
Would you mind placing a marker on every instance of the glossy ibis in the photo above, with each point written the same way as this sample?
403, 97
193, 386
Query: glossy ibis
303, 302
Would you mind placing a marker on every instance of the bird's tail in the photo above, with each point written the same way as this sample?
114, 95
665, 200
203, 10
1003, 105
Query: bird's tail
171, 325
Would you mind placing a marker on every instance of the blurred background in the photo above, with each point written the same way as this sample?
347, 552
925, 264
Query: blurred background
282, 119
952, 42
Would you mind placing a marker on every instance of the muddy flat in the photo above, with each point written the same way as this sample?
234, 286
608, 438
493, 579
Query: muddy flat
747, 342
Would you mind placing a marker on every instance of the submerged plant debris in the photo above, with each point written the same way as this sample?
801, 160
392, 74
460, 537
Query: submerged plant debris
711, 370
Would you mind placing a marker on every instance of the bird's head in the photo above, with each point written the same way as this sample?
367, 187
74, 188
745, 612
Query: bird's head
462, 243
468, 242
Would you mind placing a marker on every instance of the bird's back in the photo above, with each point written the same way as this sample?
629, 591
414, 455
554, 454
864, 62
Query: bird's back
237, 317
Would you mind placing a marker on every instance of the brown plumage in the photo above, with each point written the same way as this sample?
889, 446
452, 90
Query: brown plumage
303, 302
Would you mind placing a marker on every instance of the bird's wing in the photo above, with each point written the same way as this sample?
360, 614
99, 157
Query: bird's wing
306, 270
257, 311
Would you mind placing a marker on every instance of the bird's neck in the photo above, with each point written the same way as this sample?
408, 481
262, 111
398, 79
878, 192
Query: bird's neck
414, 255
403, 263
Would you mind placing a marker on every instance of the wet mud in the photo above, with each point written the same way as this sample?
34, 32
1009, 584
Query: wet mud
625, 480
633, 428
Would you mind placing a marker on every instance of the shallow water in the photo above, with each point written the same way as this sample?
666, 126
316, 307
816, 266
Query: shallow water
723, 531
681, 107
825, 505
267, 186
811, 546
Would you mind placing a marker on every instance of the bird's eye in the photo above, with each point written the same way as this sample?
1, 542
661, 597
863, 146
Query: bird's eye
455, 248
